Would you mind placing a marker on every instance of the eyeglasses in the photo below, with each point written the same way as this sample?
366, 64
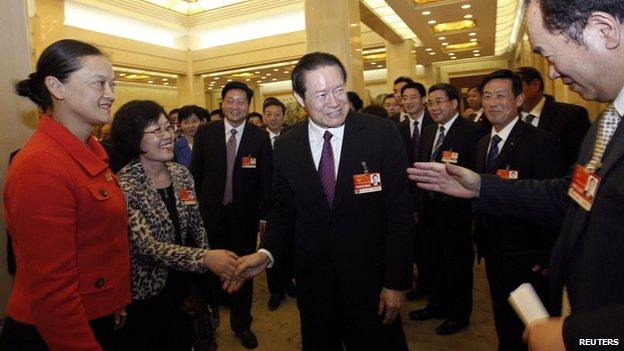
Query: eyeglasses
435, 103
161, 132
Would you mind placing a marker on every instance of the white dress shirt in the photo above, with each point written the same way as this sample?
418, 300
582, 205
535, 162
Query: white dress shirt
478, 114
239, 134
503, 134
536, 111
418, 119
447, 126
315, 135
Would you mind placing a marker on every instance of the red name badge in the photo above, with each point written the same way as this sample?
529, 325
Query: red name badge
449, 157
186, 197
248, 162
366, 183
508, 174
583, 187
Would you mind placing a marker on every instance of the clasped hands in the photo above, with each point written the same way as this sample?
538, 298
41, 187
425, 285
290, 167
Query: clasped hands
234, 270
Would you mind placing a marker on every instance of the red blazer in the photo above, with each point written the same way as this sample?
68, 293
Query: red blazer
68, 221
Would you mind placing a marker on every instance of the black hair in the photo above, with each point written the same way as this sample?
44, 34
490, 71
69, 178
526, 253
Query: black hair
478, 88
188, 110
450, 91
271, 101
310, 62
254, 114
415, 85
216, 112
391, 95
175, 110
403, 79
529, 74
355, 100
570, 17
237, 85
59, 60
516, 82
375, 110
128, 125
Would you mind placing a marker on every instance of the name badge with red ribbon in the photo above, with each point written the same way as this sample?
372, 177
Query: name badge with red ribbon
584, 186
248, 162
507, 174
450, 157
366, 183
186, 197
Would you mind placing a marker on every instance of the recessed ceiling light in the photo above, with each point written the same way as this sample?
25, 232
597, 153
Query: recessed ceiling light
432, 53
451, 54
122, 74
445, 44
165, 83
472, 34
453, 57
477, 55
413, 51
247, 80
150, 81
286, 72
426, 13
441, 38
275, 69
432, 22
274, 79
268, 74
223, 86
257, 72
468, 16
229, 80
258, 81
165, 79
216, 78
475, 51
473, 39
373, 63
466, 6
428, 49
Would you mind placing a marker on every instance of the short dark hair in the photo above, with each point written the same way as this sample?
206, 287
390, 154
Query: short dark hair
355, 100
570, 17
271, 101
175, 110
128, 125
188, 110
516, 82
375, 110
254, 114
310, 62
216, 112
415, 85
478, 88
403, 79
237, 85
450, 90
529, 74
391, 95
59, 60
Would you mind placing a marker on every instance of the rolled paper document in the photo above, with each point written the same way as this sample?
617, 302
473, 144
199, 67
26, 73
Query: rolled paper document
527, 304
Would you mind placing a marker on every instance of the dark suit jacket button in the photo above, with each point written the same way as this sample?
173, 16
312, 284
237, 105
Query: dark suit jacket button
103, 192
100, 282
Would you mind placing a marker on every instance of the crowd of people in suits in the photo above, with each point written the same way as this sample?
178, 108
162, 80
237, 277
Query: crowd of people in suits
119, 247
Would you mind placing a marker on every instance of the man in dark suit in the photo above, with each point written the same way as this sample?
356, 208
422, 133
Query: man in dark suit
569, 123
399, 83
475, 110
587, 257
351, 237
515, 251
279, 279
232, 165
446, 220
413, 96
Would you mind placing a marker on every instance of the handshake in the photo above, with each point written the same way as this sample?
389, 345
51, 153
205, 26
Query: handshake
234, 270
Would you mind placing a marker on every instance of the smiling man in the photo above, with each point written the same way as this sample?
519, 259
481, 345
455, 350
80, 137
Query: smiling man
351, 239
583, 41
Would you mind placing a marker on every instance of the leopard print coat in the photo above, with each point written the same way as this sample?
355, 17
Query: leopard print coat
151, 232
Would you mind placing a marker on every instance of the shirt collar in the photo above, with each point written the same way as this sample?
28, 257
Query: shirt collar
271, 134
448, 124
419, 117
618, 103
537, 110
228, 127
504, 133
316, 132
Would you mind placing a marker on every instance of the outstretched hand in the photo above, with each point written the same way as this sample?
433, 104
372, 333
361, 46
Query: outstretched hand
221, 262
251, 265
446, 178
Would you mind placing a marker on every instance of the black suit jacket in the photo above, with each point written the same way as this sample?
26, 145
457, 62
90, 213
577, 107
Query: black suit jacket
482, 120
461, 137
514, 243
395, 117
404, 129
251, 186
567, 122
587, 257
360, 244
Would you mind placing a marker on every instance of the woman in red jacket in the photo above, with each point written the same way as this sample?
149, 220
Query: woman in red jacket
65, 211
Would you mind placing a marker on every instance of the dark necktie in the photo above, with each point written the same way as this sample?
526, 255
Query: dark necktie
416, 142
607, 125
230, 148
326, 169
493, 153
529, 118
438, 144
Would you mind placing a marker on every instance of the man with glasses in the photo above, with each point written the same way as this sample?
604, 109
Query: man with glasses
232, 164
452, 139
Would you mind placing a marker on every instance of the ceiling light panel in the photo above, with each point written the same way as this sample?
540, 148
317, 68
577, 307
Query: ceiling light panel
389, 17
509, 15
454, 26
188, 8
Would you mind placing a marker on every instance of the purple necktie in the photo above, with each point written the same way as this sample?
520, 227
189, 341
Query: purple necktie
326, 169
416, 142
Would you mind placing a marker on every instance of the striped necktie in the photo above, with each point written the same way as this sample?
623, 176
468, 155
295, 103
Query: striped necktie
607, 125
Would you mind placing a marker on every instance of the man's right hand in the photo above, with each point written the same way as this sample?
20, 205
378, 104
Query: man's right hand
446, 178
251, 265
221, 262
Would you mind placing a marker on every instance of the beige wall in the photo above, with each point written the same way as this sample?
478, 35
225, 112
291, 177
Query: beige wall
166, 96
19, 116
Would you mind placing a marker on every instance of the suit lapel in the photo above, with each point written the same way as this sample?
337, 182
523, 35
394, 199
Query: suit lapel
510, 145
482, 149
244, 149
350, 158
427, 143
547, 114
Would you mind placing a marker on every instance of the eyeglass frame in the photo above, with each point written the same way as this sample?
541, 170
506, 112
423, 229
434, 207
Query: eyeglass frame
430, 103
159, 132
